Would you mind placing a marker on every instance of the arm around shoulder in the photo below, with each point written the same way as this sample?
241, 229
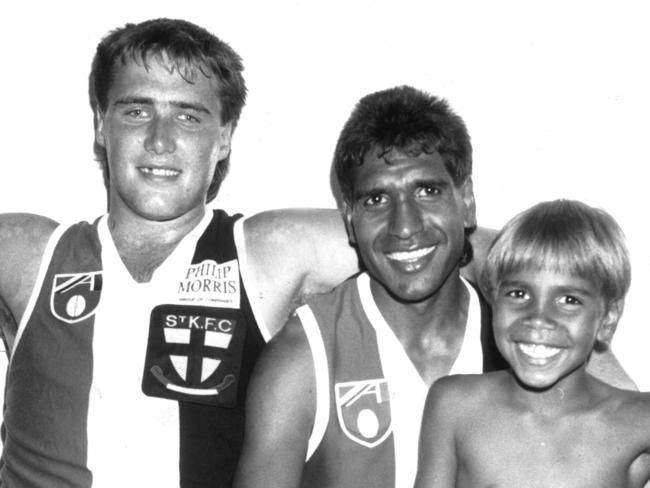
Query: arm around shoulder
280, 410
481, 240
292, 254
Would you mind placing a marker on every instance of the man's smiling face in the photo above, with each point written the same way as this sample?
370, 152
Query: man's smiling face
163, 137
407, 218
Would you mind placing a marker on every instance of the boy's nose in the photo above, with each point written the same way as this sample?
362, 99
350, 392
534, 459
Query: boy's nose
540, 315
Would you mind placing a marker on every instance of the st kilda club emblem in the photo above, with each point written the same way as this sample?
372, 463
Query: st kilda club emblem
194, 354
75, 296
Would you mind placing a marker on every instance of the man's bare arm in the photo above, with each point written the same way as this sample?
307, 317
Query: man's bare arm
481, 240
293, 254
280, 410
8, 326
23, 238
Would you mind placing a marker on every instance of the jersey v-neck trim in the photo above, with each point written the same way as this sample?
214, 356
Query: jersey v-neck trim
470, 357
183, 253
470, 354
385, 334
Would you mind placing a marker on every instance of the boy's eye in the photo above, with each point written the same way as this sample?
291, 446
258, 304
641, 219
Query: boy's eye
570, 300
517, 294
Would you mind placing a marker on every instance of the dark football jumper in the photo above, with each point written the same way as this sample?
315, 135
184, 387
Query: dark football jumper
194, 367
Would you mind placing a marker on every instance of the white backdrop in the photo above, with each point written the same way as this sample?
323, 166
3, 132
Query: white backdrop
555, 95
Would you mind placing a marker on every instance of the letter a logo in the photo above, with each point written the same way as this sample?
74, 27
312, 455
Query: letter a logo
75, 296
363, 410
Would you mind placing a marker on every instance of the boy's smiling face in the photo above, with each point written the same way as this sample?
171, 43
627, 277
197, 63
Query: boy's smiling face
547, 322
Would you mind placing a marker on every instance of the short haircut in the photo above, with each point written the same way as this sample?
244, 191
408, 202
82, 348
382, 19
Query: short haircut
192, 51
406, 119
565, 236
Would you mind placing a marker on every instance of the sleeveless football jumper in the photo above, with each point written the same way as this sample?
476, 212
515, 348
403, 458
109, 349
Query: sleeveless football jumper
109, 378
370, 396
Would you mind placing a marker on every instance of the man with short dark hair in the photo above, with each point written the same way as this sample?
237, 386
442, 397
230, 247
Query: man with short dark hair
337, 396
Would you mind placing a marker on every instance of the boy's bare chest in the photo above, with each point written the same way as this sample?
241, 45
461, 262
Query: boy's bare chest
571, 455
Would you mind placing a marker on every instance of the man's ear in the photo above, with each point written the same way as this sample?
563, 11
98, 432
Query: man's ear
610, 321
347, 219
99, 129
225, 136
467, 194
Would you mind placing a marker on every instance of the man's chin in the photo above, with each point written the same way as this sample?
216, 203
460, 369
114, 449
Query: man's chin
413, 294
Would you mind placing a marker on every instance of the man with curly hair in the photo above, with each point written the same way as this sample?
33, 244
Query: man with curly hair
337, 396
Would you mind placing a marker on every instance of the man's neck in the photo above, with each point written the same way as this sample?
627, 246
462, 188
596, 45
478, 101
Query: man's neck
143, 245
434, 313
431, 331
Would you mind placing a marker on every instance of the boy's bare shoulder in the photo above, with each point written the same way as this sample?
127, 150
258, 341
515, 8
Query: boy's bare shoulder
634, 402
623, 408
629, 411
615, 397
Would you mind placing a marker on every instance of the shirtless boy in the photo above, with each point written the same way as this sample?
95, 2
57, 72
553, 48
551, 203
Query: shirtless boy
556, 276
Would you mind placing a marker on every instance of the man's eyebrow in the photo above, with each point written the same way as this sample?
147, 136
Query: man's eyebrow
197, 107
134, 101
368, 191
439, 182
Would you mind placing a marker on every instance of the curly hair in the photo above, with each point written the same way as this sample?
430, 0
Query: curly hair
407, 119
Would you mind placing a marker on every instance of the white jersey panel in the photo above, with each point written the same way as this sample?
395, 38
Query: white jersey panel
133, 439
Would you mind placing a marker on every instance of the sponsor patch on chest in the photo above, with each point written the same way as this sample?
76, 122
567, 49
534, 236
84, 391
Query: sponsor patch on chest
363, 410
210, 283
75, 296
194, 354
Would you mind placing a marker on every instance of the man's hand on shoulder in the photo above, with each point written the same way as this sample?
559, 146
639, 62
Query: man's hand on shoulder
293, 254
23, 238
481, 240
